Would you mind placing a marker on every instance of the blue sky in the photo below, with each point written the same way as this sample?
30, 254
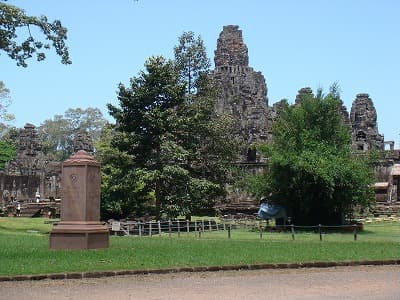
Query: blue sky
293, 43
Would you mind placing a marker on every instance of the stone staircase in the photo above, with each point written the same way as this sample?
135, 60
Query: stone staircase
383, 209
30, 210
245, 206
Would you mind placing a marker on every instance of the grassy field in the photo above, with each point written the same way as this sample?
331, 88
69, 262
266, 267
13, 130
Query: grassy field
24, 249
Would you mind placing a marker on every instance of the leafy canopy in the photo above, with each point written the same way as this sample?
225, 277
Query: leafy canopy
168, 149
191, 60
57, 134
7, 153
5, 116
14, 21
312, 170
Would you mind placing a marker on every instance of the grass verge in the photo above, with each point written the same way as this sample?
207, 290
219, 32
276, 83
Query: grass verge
24, 250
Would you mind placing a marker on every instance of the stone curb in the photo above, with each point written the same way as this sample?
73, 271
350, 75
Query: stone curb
266, 266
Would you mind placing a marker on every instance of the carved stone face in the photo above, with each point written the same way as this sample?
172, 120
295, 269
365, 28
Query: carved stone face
243, 93
83, 141
364, 126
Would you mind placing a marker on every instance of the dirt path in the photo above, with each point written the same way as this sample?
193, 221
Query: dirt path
364, 282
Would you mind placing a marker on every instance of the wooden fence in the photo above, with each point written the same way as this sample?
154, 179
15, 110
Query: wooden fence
199, 227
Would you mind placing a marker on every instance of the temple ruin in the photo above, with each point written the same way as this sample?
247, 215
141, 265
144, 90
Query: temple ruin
242, 91
243, 96
364, 128
32, 179
30, 172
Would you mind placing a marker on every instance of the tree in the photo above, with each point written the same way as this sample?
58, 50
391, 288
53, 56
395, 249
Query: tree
7, 133
121, 185
146, 122
5, 101
170, 145
57, 134
206, 135
191, 60
312, 171
7, 153
211, 148
13, 20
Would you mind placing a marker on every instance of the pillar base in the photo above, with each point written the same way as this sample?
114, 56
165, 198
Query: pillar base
79, 235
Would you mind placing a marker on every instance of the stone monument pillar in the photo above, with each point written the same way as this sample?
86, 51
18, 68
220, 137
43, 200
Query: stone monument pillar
80, 226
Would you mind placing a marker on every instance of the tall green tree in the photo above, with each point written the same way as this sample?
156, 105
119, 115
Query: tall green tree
5, 116
57, 134
172, 147
312, 171
5, 101
121, 185
146, 123
191, 60
211, 147
7, 133
14, 23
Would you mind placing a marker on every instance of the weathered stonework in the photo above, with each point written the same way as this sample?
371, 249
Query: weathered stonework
303, 92
364, 128
30, 172
242, 91
243, 95
83, 141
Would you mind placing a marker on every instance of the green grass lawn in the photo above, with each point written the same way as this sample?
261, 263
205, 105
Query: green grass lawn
24, 249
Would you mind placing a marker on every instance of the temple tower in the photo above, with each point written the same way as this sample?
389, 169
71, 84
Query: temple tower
242, 92
364, 127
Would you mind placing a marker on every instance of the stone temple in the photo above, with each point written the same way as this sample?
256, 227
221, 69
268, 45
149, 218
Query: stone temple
242, 93
32, 178
364, 127
243, 96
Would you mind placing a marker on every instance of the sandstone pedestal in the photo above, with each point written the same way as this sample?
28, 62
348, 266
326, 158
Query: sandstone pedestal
80, 227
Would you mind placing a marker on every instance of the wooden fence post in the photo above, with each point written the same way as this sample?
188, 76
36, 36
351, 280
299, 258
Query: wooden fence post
140, 228
159, 227
150, 229
179, 229
209, 225
229, 231
169, 228
292, 229
187, 227
355, 231
320, 232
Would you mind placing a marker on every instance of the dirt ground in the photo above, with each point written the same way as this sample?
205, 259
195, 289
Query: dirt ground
362, 282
